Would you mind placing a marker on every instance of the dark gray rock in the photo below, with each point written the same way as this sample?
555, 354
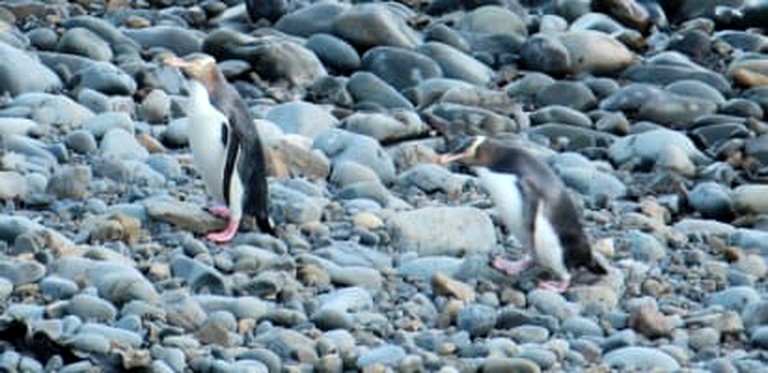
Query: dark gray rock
385, 26
335, 53
367, 88
388, 62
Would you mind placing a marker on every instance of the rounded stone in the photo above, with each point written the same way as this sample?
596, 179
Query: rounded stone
476, 319
84, 42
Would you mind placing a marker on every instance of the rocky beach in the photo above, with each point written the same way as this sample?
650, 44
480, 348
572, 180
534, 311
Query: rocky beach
653, 113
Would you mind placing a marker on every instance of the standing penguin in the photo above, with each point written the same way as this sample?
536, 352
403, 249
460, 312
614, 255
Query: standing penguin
226, 147
534, 206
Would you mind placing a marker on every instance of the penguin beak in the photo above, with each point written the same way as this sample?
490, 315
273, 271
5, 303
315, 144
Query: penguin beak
445, 159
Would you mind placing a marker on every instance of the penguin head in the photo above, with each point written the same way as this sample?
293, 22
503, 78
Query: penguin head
469, 151
198, 66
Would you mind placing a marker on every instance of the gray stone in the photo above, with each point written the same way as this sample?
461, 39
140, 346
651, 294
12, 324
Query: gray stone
200, 277
302, 118
372, 190
57, 288
90, 308
70, 182
243, 307
334, 52
365, 87
90, 343
184, 311
20, 73
293, 206
173, 357
176, 134
734, 298
425, 268
12, 185
128, 172
20, 273
273, 58
81, 141
312, 19
400, 124
581, 326
643, 358
56, 110
645, 247
180, 40
115, 336
288, 344
750, 198
432, 178
387, 63
560, 114
120, 283
478, 320
120, 144
83, 42
645, 148
543, 357
442, 231
350, 299
456, 64
712, 200
349, 172
691, 226
506, 364
385, 25
155, 107
575, 95
551, 303
17, 126
105, 78
386, 355
341, 145
6, 288
529, 334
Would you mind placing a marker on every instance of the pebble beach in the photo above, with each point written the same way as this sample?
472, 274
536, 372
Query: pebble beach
653, 113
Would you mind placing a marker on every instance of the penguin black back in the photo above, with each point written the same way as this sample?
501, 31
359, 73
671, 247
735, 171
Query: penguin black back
540, 183
245, 155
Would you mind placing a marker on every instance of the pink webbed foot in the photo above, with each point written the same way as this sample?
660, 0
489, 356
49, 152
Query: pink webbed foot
220, 211
512, 267
227, 234
556, 286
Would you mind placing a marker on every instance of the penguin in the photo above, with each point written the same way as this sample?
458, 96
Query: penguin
535, 207
226, 147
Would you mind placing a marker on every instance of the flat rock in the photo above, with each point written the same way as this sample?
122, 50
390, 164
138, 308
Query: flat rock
442, 231
13, 185
341, 145
643, 358
302, 118
20, 73
387, 27
750, 198
645, 148
183, 215
120, 144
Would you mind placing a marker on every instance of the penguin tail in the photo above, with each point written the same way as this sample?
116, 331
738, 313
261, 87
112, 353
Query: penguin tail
595, 267
266, 225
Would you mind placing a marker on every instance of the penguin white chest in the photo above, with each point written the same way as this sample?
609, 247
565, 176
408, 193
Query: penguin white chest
529, 227
507, 197
206, 125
